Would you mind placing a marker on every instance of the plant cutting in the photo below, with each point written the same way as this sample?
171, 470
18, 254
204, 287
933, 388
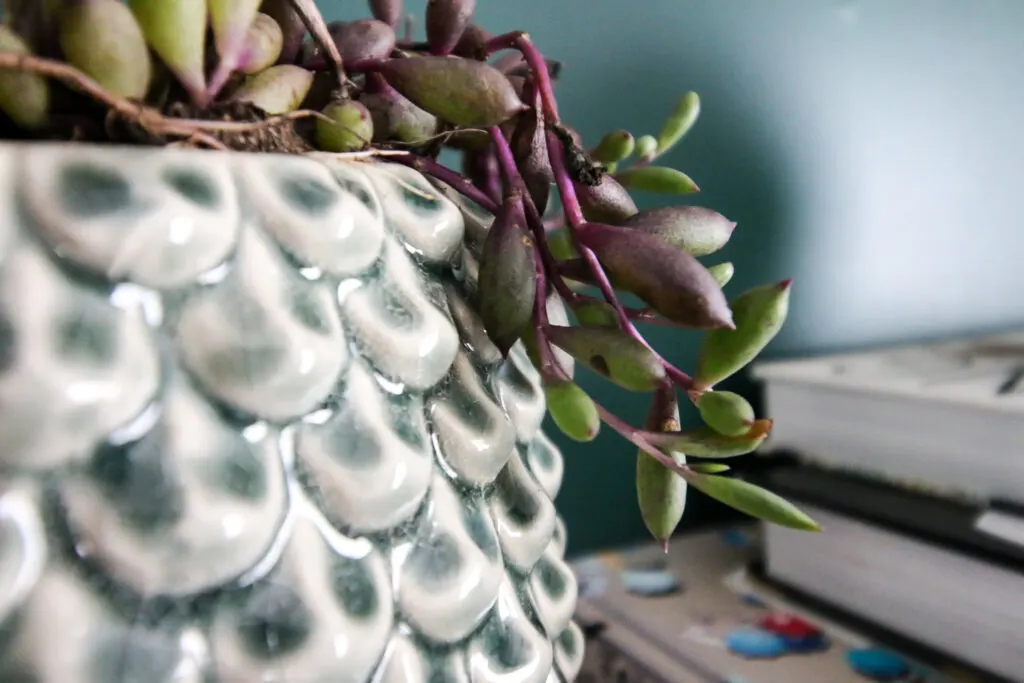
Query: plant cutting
561, 245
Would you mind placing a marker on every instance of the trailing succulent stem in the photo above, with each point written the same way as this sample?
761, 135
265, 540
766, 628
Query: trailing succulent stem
273, 76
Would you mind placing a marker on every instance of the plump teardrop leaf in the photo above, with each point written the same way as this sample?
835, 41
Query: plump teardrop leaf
595, 313
758, 315
263, 44
646, 147
660, 492
614, 147
388, 11
363, 39
669, 280
446, 21
606, 202
230, 21
396, 118
726, 412
709, 467
507, 282
472, 41
349, 128
102, 39
679, 122
462, 92
176, 31
611, 353
722, 272
529, 147
277, 90
753, 500
560, 244
24, 97
694, 229
572, 410
658, 179
293, 31
704, 442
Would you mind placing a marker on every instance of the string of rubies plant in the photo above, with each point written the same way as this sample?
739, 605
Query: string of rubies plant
273, 76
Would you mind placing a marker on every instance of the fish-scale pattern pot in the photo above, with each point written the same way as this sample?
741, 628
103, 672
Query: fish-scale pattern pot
251, 431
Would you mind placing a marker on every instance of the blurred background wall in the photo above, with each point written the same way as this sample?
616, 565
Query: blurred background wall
871, 150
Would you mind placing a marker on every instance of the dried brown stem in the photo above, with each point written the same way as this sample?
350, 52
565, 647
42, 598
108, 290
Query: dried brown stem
148, 118
317, 27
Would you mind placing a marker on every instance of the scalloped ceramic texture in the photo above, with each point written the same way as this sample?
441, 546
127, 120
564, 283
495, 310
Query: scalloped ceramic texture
251, 430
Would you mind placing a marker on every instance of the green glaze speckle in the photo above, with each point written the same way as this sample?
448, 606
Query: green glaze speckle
354, 587
194, 185
90, 191
273, 621
308, 194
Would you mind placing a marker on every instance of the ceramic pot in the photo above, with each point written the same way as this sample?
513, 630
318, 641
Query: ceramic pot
251, 431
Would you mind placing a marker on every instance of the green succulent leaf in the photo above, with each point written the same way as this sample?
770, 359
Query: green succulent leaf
669, 280
463, 92
709, 467
102, 39
614, 147
726, 412
593, 313
704, 442
657, 179
230, 21
679, 122
24, 97
758, 315
507, 282
396, 118
347, 128
606, 202
560, 244
293, 30
646, 146
176, 31
661, 493
277, 90
611, 353
572, 410
694, 229
722, 272
753, 500
264, 43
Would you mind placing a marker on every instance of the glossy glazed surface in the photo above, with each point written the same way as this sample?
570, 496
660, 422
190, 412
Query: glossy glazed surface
251, 431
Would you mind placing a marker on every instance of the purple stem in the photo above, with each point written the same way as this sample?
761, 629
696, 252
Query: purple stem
550, 368
638, 315
574, 215
554, 223
456, 180
633, 435
520, 40
507, 163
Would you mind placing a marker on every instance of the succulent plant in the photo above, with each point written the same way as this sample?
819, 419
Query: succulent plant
273, 76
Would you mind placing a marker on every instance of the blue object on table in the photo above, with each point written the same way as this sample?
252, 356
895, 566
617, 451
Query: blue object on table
650, 583
878, 664
735, 538
815, 642
755, 643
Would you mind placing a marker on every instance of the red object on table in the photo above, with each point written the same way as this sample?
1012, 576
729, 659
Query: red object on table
789, 626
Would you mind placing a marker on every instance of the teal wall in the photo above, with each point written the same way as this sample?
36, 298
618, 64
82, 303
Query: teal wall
871, 150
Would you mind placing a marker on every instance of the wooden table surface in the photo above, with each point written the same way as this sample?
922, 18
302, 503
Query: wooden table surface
679, 638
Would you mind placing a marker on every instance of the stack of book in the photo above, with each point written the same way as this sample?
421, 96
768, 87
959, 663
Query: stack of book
912, 460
